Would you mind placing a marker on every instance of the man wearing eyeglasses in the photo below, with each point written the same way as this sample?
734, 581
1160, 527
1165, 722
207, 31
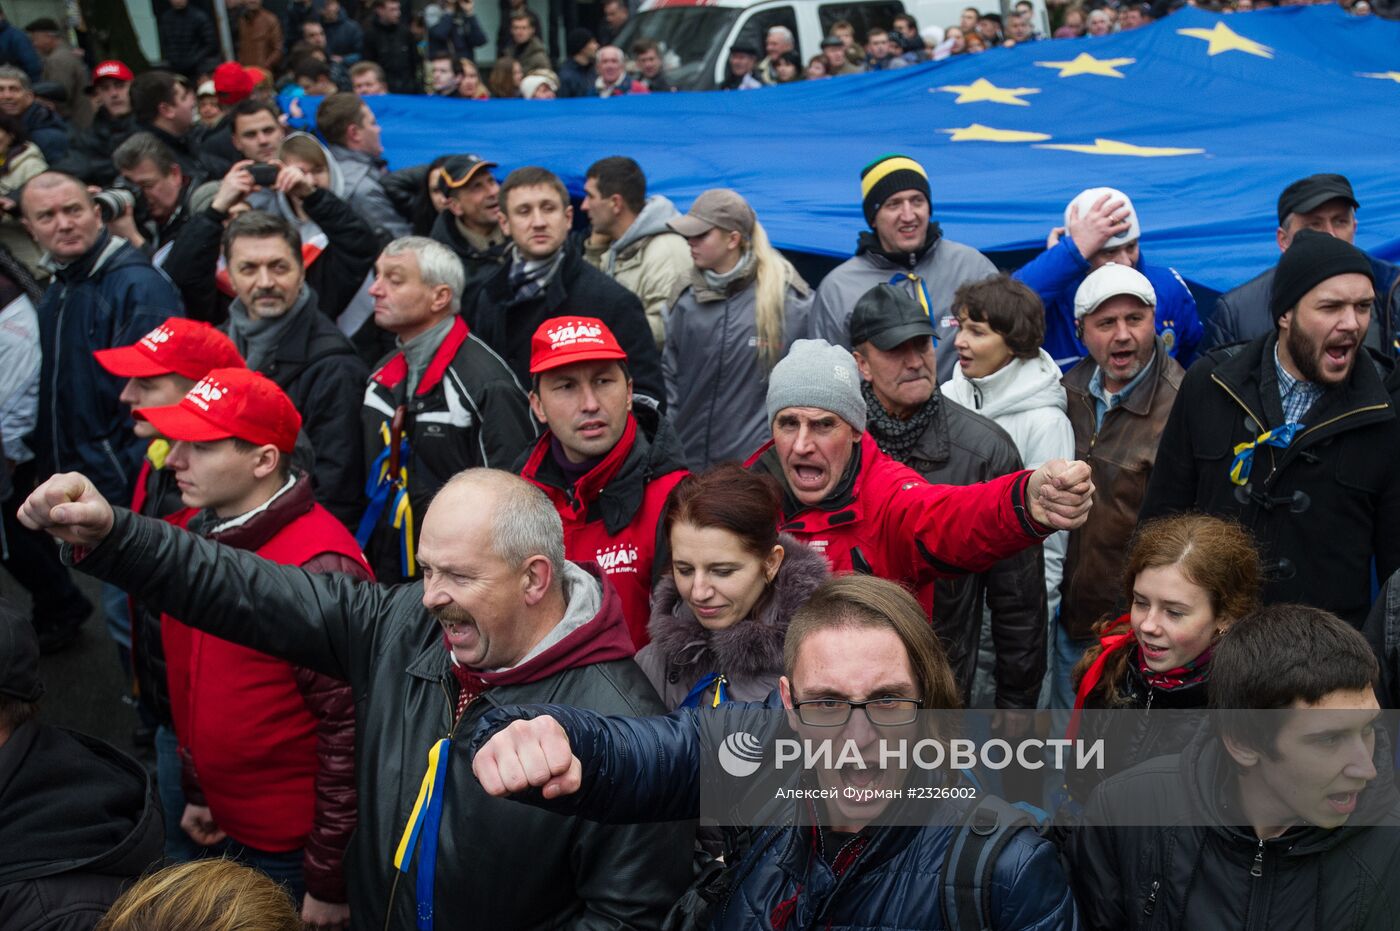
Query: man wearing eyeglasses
471, 224
860, 663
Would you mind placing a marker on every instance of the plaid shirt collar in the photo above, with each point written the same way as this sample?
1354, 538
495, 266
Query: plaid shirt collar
1296, 395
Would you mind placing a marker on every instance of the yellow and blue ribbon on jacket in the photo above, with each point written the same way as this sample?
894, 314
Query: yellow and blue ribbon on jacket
391, 491
423, 825
696, 697
920, 292
1243, 462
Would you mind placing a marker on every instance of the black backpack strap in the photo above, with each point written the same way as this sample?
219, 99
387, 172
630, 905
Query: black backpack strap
965, 880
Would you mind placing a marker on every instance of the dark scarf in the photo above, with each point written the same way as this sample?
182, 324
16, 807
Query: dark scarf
869, 243
897, 438
1193, 673
529, 279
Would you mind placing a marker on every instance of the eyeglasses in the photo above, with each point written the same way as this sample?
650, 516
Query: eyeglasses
835, 712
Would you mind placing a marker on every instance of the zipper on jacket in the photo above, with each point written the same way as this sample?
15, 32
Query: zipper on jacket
53, 379
1150, 906
1256, 869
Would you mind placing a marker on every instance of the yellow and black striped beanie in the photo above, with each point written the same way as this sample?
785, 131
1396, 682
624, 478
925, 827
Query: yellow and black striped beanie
887, 176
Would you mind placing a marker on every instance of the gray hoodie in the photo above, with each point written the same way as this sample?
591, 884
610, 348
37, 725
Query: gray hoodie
364, 190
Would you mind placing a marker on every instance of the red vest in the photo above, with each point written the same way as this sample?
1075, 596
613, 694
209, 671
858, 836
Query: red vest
240, 714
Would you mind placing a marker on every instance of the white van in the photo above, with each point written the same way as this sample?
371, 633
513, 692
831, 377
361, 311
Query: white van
695, 35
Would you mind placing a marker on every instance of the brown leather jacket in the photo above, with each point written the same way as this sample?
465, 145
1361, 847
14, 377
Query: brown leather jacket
260, 40
1121, 454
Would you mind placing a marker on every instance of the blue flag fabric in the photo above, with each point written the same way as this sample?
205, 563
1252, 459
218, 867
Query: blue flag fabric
1201, 118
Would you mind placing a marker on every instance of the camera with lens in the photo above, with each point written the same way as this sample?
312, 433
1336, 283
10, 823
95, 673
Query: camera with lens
117, 199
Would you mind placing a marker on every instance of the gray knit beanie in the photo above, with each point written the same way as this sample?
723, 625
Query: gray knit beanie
815, 373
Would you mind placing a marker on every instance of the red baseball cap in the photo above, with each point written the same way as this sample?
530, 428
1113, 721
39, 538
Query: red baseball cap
177, 347
233, 83
565, 340
232, 402
113, 70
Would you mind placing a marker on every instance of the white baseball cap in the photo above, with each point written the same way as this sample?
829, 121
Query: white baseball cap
1109, 281
1085, 200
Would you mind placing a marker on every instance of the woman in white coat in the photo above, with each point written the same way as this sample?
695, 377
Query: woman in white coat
1005, 375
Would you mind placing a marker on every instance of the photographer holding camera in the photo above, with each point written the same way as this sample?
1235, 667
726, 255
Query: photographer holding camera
163, 197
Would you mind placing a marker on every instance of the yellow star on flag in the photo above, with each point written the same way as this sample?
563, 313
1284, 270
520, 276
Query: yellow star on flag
979, 133
1382, 75
1110, 147
1085, 63
982, 90
1224, 39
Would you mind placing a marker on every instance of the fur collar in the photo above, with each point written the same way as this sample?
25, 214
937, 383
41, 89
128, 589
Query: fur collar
753, 647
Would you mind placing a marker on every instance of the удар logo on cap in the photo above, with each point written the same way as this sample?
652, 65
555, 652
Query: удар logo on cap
229, 403
207, 392
566, 340
573, 333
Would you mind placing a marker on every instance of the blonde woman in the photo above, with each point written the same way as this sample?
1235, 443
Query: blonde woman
210, 895
741, 310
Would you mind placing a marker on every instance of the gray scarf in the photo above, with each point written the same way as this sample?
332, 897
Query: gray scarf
419, 351
720, 283
529, 278
257, 340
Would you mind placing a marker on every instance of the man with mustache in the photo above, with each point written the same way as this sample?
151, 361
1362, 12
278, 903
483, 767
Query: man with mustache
280, 331
1295, 435
608, 459
949, 444
500, 617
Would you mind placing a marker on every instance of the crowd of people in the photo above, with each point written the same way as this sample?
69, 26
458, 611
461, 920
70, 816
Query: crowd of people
408, 491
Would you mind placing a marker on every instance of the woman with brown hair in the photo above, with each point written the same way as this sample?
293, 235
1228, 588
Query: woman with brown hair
505, 79
1187, 580
719, 616
210, 895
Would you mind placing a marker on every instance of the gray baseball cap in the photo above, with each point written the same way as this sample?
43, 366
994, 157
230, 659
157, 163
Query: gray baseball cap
720, 208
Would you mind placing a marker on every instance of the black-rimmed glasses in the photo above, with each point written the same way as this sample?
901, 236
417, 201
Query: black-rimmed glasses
835, 712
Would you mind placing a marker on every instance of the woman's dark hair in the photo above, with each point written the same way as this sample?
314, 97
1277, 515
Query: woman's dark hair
502, 80
1011, 309
424, 215
1218, 555
19, 136
728, 497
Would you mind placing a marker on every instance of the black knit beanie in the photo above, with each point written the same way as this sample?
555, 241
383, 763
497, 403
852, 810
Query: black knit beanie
887, 176
1308, 261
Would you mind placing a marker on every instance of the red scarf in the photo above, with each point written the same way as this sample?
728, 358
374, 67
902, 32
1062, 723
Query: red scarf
1115, 637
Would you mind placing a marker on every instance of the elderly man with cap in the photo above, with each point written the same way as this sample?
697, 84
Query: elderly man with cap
837, 62
242, 717
949, 444
80, 817
743, 56
160, 368
1101, 226
869, 513
64, 67
1325, 203
901, 248
607, 459
1119, 399
471, 224
1295, 436
441, 402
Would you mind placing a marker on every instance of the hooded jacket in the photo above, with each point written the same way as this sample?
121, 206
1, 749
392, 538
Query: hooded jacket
81, 823
649, 260
1121, 452
1056, 275
478, 264
1243, 314
1335, 482
498, 866
961, 447
716, 382
1209, 874
1026, 400
943, 265
883, 519
112, 296
467, 412
362, 176
884, 877
507, 325
748, 654
612, 515
317, 367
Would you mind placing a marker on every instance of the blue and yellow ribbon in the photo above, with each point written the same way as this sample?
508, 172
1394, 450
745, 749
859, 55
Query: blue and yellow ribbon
423, 824
385, 490
920, 292
696, 697
1278, 437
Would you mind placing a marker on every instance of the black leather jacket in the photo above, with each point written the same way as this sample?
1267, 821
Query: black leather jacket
500, 864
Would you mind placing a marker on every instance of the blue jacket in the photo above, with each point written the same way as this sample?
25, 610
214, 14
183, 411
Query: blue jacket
648, 769
47, 130
17, 50
110, 297
1056, 274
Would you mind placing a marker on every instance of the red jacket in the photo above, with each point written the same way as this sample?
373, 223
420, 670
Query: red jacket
889, 521
612, 516
271, 745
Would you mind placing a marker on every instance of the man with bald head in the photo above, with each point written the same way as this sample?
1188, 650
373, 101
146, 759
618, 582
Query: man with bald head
500, 617
105, 293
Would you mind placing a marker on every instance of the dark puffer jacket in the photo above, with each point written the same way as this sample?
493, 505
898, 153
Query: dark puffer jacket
479, 264
748, 654
81, 823
638, 769
1206, 874
90, 155
498, 865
